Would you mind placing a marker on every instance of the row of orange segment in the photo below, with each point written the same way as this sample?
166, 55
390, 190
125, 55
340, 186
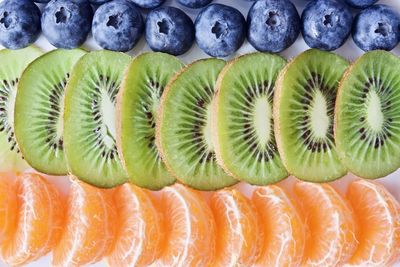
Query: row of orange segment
307, 225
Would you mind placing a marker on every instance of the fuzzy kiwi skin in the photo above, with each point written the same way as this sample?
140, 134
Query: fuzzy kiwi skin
347, 157
278, 130
159, 142
120, 127
214, 123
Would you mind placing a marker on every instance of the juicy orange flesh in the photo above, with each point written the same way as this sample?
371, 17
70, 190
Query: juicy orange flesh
38, 226
89, 227
189, 228
138, 237
8, 206
376, 216
282, 228
237, 229
330, 226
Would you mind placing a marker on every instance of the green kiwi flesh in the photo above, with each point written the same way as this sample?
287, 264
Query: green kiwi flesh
137, 110
184, 127
39, 109
243, 133
89, 118
367, 115
13, 63
303, 114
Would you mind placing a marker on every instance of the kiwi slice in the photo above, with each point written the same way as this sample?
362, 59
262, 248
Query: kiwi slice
13, 64
243, 133
303, 113
367, 115
39, 108
137, 109
183, 132
89, 118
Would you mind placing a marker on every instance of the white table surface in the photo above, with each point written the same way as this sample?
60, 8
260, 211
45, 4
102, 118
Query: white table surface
349, 50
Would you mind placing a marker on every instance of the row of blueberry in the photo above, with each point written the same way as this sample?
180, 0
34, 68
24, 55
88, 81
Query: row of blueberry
219, 30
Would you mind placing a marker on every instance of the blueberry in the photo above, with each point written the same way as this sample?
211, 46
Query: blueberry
148, 3
41, 1
194, 3
361, 3
98, 2
169, 30
220, 30
66, 23
377, 27
326, 24
19, 23
117, 25
273, 25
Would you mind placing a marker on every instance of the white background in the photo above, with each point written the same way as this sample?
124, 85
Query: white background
349, 51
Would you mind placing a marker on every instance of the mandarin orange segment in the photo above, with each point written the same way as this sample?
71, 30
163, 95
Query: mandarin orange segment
89, 227
330, 225
377, 217
237, 229
8, 205
39, 220
189, 228
138, 236
282, 228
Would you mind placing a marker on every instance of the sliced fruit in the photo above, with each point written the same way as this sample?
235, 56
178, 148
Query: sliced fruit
89, 119
282, 228
377, 217
243, 133
89, 226
8, 206
13, 64
237, 229
367, 117
303, 114
189, 228
184, 127
330, 240
39, 109
139, 233
39, 220
137, 110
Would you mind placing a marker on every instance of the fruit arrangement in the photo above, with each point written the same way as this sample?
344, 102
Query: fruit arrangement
108, 119
219, 30
129, 226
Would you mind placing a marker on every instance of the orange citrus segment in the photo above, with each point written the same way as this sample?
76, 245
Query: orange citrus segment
330, 239
89, 227
189, 228
282, 228
377, 218
39, 220
8, 205
237, 229
138, 237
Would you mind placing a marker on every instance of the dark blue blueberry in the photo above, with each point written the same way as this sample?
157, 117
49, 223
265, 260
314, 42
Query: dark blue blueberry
220, 30
169, 30
326, 24
98, 2
66, 23
377, 27
19, 23
361, 3
117, 25
148, 3
41, 1
194, 3
273, 25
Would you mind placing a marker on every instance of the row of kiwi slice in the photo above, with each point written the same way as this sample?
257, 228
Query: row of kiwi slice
108, 119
